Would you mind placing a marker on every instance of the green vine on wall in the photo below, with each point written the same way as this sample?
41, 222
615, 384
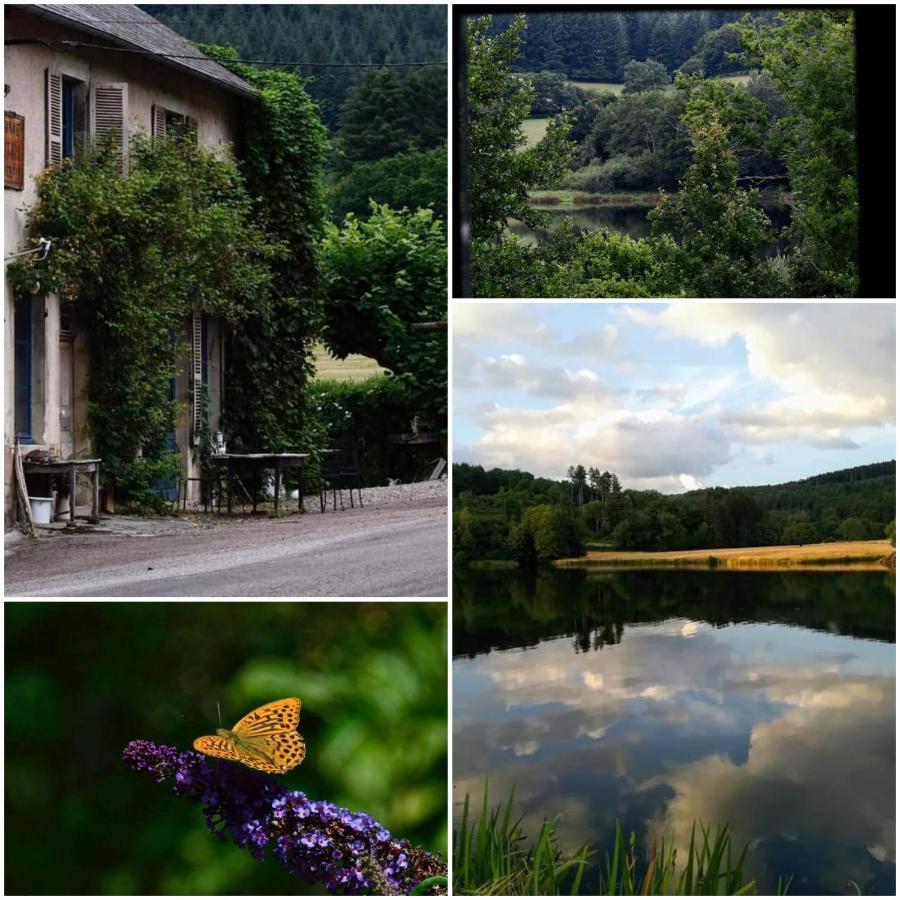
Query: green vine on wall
135, 254
268, 357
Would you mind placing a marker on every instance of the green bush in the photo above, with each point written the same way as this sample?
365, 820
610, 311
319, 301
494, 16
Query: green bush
407, 180
369, 411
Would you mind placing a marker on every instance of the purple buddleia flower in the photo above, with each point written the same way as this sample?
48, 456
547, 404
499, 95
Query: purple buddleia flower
316, 841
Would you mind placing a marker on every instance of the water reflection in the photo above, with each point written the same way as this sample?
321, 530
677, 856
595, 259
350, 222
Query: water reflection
762, 700
630, 220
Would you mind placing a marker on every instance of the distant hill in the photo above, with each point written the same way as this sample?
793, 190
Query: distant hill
317, 33
850, 504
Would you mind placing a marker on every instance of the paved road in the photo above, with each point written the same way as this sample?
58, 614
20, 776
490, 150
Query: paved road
388, 552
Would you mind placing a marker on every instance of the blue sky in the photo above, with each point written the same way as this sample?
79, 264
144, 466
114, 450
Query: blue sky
674, 396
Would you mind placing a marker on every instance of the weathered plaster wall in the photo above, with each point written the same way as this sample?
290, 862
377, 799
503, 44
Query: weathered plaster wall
218, 115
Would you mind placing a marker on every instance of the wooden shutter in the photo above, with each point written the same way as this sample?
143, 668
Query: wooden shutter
14, 151
109, 116
197, 375
54, 118
159, 122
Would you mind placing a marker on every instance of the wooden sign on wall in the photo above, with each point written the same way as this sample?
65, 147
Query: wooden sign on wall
14, 152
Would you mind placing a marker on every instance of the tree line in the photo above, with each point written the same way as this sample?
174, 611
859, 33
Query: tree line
597, 46
317, 33
510, 514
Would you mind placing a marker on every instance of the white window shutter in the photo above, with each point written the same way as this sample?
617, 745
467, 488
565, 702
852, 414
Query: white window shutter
197, 375
54, 118
159, 122
109, 115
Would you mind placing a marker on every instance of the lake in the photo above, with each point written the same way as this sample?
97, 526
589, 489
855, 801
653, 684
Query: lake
760, 699
630, 220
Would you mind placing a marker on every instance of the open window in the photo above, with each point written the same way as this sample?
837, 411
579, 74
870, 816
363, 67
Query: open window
66, 105
173, 125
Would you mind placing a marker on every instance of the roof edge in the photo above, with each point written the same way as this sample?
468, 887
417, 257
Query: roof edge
249, 92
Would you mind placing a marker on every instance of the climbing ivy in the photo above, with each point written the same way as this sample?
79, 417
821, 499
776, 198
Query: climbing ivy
268, 358
135, 254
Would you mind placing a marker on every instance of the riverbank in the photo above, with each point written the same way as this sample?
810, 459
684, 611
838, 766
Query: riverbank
837, 556
565, 199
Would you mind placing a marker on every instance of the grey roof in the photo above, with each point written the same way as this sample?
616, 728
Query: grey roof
129, 26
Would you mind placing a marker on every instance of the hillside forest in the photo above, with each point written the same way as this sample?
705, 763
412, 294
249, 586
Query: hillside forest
387, 126
510, 514
707, 153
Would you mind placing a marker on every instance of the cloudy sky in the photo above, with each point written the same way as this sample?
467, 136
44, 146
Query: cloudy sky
674, 396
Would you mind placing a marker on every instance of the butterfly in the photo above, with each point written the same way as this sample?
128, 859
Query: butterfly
265, 739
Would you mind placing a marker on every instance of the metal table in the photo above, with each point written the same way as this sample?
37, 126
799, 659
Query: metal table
71, 467
276, 461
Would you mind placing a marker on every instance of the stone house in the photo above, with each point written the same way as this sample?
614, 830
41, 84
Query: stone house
76, 74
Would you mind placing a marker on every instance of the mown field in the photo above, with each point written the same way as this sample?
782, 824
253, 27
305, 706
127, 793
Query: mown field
534, 129
353, 368
598, 87
836, 555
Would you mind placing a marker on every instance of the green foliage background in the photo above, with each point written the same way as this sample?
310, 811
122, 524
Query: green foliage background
83, 679
510, 514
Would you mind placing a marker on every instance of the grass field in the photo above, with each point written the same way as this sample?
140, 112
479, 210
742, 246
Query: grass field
534, 129
353, 368
564, 199
598, 87
733, 79
839, 555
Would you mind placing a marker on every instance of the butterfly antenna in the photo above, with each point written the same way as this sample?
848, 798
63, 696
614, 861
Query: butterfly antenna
219, 708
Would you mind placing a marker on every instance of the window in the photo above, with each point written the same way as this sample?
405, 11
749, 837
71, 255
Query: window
66, 116
23, 369
170, 124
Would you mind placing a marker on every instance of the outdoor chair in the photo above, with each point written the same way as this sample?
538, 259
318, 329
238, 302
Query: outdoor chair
342, 470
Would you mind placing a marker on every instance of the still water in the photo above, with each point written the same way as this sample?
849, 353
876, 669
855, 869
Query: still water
630, 220
763, 700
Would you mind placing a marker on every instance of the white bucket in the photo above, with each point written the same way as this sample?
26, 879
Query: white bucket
41, 509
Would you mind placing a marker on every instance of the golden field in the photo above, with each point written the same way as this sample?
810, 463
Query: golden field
838, 555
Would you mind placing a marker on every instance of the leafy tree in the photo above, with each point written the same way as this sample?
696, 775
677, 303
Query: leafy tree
379, 276
719, 228
500, 172
713, 53
798, 532
648, 75
548, 533
810, 54
891, 532
852, 529
410, 180
594, 514
387, 113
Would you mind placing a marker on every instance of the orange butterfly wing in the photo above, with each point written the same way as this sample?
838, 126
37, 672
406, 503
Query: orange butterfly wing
212, 745
271, 743
272, 718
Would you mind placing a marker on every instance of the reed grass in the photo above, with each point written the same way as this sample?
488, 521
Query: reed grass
493, 856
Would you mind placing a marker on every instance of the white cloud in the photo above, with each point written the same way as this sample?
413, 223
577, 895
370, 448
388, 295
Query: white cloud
647, 448
833, 364
516, 324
